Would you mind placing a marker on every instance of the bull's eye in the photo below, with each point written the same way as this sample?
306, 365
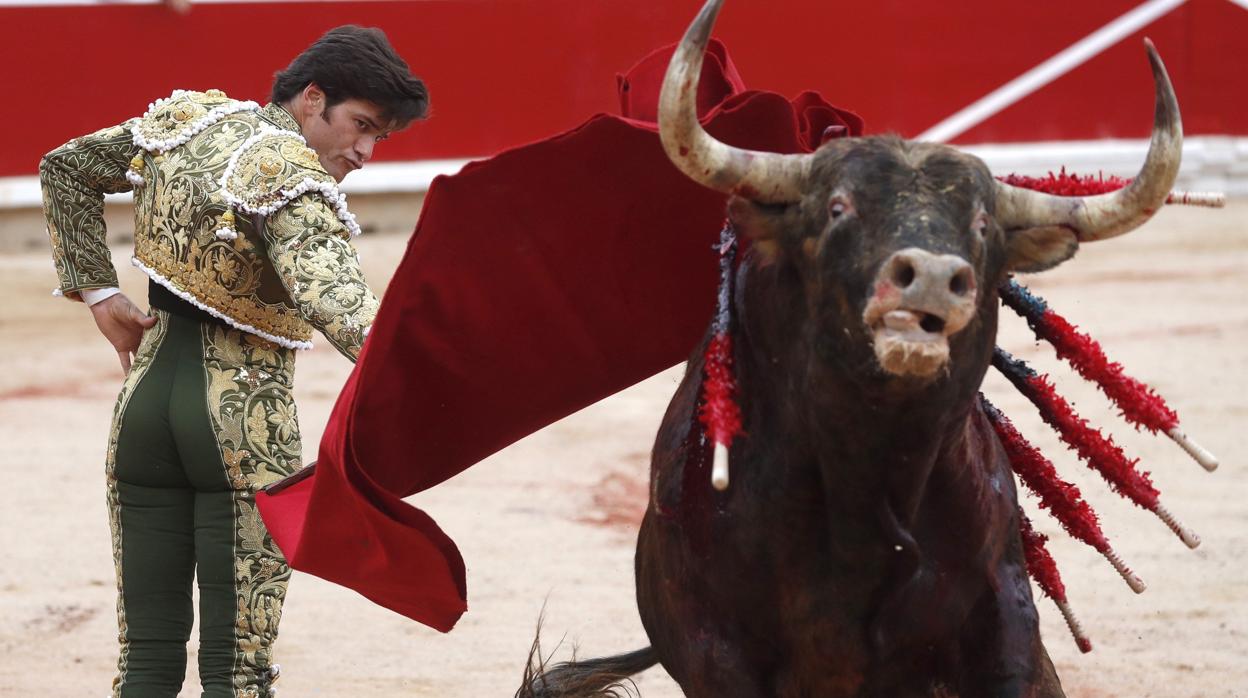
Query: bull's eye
980, 225
838, 206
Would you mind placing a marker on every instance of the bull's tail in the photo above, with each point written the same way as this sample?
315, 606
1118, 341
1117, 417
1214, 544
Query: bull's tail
604, 677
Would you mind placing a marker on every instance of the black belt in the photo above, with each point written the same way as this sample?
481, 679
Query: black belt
160, 297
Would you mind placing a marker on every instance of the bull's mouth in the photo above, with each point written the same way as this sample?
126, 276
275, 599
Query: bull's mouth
910, 343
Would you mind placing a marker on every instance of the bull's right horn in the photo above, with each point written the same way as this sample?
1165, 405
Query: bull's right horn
759, 176
1107, 215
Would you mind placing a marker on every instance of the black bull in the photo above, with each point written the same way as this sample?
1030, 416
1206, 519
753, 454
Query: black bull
869, 542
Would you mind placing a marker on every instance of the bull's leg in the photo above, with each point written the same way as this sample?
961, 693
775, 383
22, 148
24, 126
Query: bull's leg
1047, 684
711, 664
1001, 648
706, 658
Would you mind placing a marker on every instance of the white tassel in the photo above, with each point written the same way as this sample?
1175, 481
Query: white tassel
1207, 460
1076, 630
1132, 580
227, 234
1189, 539
134, 178
719, 467
1208, 199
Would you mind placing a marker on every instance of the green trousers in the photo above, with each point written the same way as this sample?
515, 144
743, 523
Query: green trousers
205, 418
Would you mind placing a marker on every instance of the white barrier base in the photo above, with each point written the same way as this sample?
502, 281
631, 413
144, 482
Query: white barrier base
377, 178
1210, 163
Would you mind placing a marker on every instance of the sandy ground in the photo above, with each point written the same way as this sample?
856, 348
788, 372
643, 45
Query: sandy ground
551, 520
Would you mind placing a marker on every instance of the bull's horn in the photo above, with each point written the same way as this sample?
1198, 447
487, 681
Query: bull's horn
755, 175
1108, 215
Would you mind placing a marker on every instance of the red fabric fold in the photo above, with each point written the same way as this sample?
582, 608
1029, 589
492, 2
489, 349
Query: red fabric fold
639, 87
537, 282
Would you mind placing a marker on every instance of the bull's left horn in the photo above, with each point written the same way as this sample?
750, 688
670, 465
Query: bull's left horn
759, 176
1108, 215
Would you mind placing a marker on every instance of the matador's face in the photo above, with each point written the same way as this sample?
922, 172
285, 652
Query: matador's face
345, 134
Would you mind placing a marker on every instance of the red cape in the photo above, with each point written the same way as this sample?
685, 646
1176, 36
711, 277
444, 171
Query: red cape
537, 282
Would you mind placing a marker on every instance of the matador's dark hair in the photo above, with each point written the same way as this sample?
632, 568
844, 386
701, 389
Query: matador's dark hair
351, 62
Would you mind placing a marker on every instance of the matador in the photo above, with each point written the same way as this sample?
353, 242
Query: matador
246, 240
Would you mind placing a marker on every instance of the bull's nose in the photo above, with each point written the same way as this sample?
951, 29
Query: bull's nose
941, 285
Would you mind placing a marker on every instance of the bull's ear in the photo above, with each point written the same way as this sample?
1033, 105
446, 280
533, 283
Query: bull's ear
761, 223
1038, 249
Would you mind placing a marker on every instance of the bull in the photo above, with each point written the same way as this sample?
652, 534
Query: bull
869, 543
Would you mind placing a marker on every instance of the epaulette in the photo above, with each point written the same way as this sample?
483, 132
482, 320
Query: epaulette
273, 168
174, 120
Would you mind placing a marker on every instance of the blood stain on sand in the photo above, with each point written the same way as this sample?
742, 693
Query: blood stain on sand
85, 388
617, 501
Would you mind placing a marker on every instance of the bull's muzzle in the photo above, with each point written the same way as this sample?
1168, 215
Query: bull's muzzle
918, 301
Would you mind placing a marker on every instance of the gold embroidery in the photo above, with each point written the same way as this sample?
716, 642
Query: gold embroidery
322, 272
224, 278
252, 411
281, 289
270, 167
233, 467
178, 114
302, 156
176, 221
74, 178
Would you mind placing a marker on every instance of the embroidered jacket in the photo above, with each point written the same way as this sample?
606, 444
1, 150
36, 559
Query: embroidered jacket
233, 212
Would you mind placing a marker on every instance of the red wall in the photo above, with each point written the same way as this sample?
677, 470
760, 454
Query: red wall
502, 72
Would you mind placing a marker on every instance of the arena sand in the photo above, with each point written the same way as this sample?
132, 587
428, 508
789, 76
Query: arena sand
551, 521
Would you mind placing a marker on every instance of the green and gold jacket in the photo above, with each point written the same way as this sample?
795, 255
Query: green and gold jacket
233, 213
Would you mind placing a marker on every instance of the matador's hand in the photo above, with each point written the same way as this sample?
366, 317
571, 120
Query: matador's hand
122, 324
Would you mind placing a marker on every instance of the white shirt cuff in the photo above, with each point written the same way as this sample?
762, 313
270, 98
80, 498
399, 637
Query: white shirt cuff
91, 296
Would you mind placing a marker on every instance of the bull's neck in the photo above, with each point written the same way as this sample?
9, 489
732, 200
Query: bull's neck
887, 448
873, 445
